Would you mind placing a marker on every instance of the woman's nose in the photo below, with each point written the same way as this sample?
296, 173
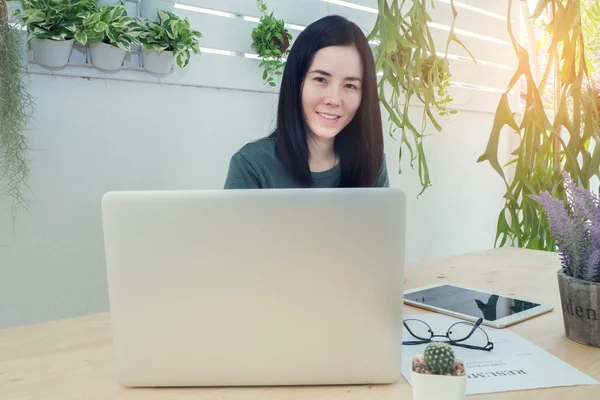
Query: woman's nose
333, 97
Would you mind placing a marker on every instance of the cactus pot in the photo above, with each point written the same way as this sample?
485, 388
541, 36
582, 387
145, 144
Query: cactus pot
442, 387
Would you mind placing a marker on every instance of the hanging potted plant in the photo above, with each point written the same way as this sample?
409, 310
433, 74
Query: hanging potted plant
52, 25
576, 230
16, 108
407, 58
168, 42
110, 33
438, 375
271, 41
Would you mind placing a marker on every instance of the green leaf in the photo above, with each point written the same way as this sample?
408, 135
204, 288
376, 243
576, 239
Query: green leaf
454, 38
119, 24
71, 27
93, 19
162, 16
183, 58
100, 27
112, 37
502, 118
35, 16
81, 37
124, 44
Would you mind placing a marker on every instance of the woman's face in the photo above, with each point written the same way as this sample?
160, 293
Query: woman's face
332, 90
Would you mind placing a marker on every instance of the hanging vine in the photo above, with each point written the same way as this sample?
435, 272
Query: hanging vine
407, 57
566, 138
16, 107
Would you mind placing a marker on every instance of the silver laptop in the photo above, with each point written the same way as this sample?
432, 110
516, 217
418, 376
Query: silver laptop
256, 287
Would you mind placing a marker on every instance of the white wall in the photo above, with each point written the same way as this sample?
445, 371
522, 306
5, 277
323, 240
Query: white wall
94, 135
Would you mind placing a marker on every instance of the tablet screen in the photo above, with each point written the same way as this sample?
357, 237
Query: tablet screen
470, 302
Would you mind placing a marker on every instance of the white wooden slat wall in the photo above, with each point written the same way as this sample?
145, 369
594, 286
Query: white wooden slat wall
484, 32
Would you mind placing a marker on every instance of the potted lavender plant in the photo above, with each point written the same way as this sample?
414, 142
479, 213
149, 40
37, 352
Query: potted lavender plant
576, 229
437, 374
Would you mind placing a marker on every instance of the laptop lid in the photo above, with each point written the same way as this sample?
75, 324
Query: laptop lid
256, 287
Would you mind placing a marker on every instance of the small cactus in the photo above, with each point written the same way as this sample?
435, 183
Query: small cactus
439, 358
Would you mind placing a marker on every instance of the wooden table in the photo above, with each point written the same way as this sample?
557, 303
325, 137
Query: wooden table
72, 358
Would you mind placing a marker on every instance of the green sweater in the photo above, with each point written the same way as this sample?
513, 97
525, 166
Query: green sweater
257, 166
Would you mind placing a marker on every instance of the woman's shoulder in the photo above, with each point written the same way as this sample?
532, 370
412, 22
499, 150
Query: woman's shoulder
252, 165
258, 154
257, 150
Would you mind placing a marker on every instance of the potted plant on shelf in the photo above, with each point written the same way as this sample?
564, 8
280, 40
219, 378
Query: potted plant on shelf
576, 231
110, 33
52, 25
271, 41
438, 375
170, 41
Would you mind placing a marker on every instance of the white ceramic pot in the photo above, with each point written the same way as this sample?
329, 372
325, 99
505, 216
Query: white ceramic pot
52, 53
149, 8
158, 63
107, 57
442, 387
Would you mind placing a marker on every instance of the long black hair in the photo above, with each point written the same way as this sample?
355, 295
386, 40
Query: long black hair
359, 145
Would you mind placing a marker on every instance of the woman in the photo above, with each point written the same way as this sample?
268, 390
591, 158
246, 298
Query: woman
329, 131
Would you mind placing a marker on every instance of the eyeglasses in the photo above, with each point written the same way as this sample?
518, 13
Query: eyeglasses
462, 334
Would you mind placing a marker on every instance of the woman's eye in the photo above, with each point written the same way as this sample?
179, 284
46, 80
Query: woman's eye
320, 79
351, 86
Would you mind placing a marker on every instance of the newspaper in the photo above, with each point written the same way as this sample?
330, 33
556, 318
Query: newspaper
513, 364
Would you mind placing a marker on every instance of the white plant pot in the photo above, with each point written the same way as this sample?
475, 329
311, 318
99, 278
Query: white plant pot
106, 56
149, 8
158, 63
52, 53
438, 387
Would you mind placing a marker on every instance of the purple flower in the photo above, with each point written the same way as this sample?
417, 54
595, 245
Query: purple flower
576, 229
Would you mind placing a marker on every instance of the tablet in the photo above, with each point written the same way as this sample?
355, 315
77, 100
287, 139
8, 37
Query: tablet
497, 311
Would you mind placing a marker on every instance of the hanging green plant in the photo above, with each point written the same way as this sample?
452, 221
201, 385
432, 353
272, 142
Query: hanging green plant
271, 41
16, 107
407, 58
565, 138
